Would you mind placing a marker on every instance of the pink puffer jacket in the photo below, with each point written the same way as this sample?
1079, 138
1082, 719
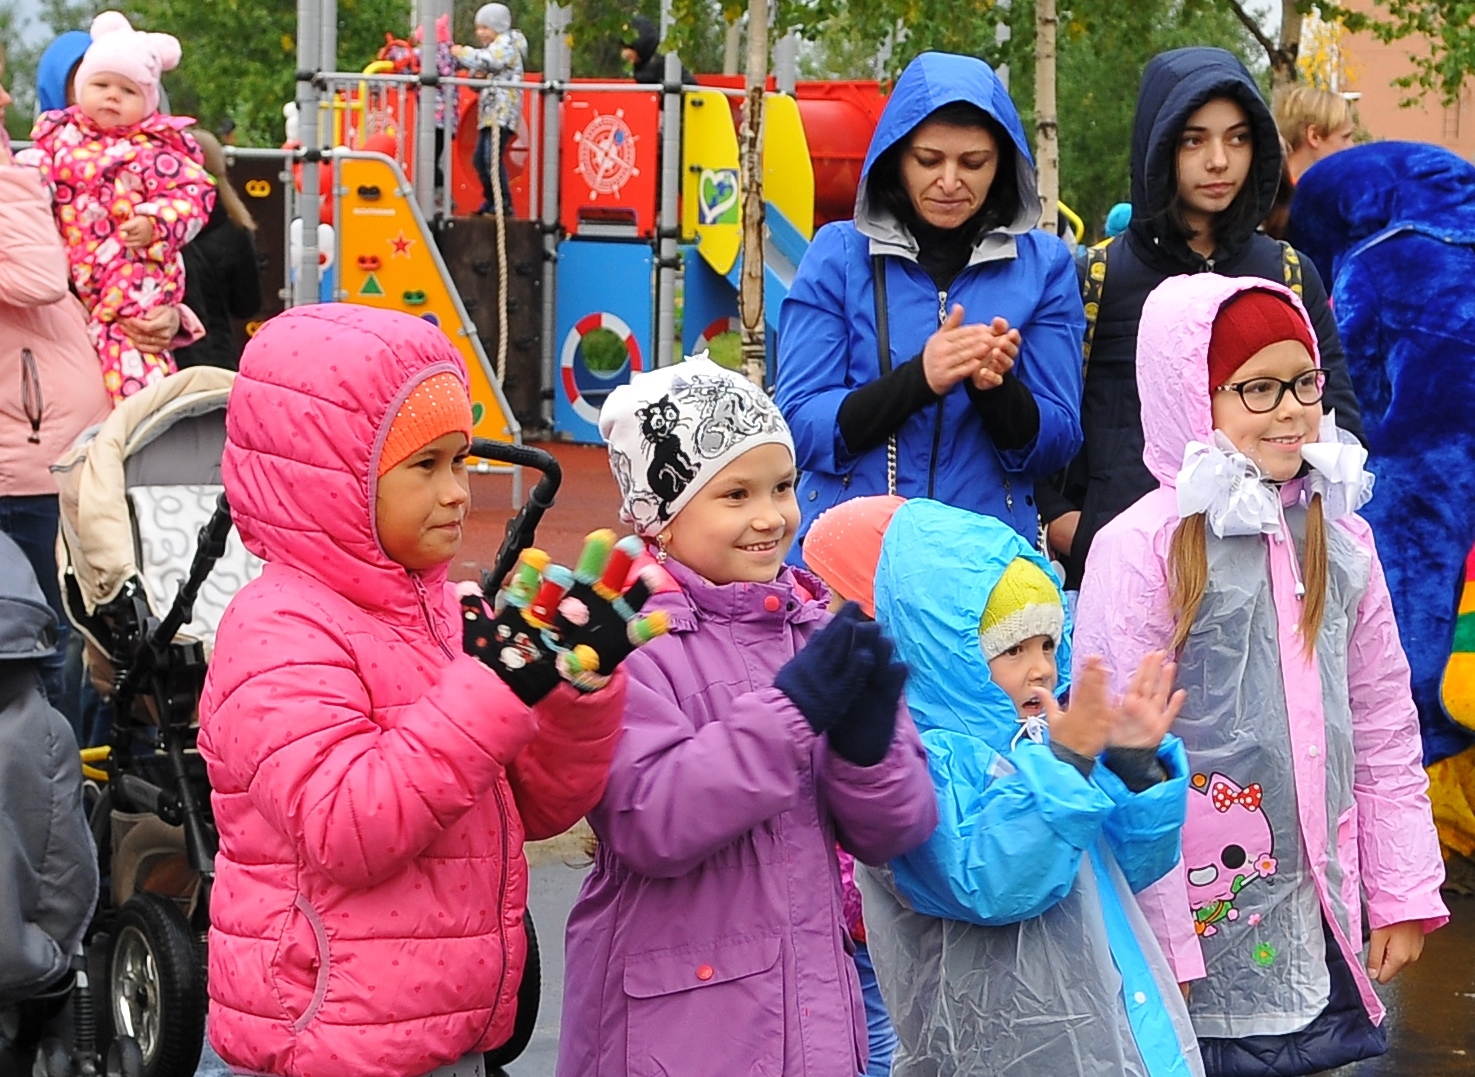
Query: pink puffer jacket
372, 784
50, 381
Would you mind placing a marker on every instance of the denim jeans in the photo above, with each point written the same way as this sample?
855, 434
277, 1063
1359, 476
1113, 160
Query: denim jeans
878, 1021
481, 160
31, 520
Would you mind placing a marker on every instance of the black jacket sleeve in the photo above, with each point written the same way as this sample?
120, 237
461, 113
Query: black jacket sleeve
1339, 395
1009, 412
876, 410
243, 297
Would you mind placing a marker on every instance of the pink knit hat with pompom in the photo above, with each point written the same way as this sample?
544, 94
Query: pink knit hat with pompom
121, 50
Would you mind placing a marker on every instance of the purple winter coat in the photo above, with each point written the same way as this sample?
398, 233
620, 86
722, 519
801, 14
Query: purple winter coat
708, 940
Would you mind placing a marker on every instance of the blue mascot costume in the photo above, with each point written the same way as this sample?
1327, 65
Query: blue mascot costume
1391, 227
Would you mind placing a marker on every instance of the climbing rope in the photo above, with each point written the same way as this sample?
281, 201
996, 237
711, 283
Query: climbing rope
496, 163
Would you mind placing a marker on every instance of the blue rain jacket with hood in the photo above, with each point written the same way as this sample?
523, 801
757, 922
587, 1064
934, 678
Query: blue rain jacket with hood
1011, 942
1109, 474
1392, 226
828, 340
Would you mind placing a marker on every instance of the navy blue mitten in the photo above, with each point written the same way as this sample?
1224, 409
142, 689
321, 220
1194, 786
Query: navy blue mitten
864, 736
825, 678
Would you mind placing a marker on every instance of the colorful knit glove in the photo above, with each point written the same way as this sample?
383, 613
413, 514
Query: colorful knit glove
552, 624
825, 678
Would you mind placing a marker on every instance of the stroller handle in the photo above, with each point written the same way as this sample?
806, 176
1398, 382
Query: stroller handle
520, 528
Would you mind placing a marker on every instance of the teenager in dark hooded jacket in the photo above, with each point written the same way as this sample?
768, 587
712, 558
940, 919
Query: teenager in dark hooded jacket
639, 51
1206, 163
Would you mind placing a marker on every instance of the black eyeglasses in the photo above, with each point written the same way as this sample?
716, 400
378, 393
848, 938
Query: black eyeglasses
1265, 394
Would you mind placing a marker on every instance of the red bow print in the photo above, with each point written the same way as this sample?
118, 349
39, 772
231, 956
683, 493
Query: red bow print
1225, 797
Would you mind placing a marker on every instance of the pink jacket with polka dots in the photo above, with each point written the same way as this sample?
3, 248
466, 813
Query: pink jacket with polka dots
372, 784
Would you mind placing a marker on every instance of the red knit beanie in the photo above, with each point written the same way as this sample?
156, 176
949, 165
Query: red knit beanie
1249, 322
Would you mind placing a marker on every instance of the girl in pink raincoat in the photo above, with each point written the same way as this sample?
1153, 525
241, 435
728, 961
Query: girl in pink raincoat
129, 191
1307, 801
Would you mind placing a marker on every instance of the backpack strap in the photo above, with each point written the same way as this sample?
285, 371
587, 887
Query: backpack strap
1093, 284
883, 353
1290, 265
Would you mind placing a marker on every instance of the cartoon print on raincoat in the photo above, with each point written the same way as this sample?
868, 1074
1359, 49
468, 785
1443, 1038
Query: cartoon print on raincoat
1226, 846
101, 178
1011, 940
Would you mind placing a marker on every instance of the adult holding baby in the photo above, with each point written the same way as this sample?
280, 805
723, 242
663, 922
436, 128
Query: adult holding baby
931, 346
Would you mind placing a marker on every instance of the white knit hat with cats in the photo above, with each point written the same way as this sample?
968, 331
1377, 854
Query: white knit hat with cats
670, 431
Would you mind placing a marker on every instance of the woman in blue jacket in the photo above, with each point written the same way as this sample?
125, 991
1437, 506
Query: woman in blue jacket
971, 387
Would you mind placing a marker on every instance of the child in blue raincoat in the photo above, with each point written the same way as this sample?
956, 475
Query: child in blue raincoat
1011, 941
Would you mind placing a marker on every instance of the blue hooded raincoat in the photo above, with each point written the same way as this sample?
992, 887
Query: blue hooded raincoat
1011, 942
828, 342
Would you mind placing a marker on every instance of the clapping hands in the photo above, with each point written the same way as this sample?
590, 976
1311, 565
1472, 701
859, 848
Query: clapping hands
980, 353
847, 685
1096, 720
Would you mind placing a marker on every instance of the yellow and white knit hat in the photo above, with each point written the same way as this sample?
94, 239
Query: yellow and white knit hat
1024, 603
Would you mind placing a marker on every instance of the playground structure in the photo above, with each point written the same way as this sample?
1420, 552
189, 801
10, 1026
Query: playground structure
631, 191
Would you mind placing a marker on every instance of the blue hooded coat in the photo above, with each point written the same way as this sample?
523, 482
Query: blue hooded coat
1392, 226
55, 67
1010, 941
828, 339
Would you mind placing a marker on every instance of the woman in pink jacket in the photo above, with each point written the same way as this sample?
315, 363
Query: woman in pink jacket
51, 387
372, 784
1307, 800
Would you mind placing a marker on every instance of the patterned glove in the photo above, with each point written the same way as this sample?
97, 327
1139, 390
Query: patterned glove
824, 679
863, 736
599, 622
552, 624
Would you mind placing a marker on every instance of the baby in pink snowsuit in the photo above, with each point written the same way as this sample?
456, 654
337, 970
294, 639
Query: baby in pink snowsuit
130, 190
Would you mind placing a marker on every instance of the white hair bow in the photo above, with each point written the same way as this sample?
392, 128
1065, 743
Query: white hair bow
1228, 488
1337, 470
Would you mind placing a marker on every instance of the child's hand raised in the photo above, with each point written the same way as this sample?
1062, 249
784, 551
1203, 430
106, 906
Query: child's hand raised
1086, 725
136, 233
1150, 706
825, 679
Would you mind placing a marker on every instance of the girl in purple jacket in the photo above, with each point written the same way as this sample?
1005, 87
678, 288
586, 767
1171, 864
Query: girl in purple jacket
709, 938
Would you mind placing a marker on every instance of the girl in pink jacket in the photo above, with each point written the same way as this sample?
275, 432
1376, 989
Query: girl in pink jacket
129, 191
372, 784
1307, 800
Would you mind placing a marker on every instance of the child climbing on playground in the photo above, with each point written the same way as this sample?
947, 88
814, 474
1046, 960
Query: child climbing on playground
500, 57
378, 749
709, 937
129, 191
1012, 938
1307, 799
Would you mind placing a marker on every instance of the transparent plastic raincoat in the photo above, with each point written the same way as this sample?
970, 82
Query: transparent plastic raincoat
1306, 790
1010, 942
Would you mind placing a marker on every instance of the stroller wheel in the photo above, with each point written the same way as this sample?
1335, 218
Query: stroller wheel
155, 987
529, 996
124, 1058
52, 1060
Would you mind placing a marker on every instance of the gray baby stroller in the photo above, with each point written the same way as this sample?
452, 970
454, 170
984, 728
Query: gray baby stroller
48, 866
149, 562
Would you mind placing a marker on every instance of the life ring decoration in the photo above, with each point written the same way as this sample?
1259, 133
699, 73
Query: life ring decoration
715, 330
586, 389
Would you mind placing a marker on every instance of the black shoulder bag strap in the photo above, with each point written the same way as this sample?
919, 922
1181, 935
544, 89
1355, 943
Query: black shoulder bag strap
883, 354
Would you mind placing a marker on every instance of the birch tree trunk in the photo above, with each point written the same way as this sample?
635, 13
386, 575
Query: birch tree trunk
1047, 128
750, 292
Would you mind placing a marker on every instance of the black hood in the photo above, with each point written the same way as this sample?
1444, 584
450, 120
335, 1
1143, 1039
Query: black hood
641, 35
1174, 85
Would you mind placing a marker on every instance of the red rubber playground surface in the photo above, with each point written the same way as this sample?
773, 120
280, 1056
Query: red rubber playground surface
587, 500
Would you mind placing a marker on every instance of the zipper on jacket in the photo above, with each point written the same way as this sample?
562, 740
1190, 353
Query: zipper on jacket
937, 425
424, 597
32, 400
